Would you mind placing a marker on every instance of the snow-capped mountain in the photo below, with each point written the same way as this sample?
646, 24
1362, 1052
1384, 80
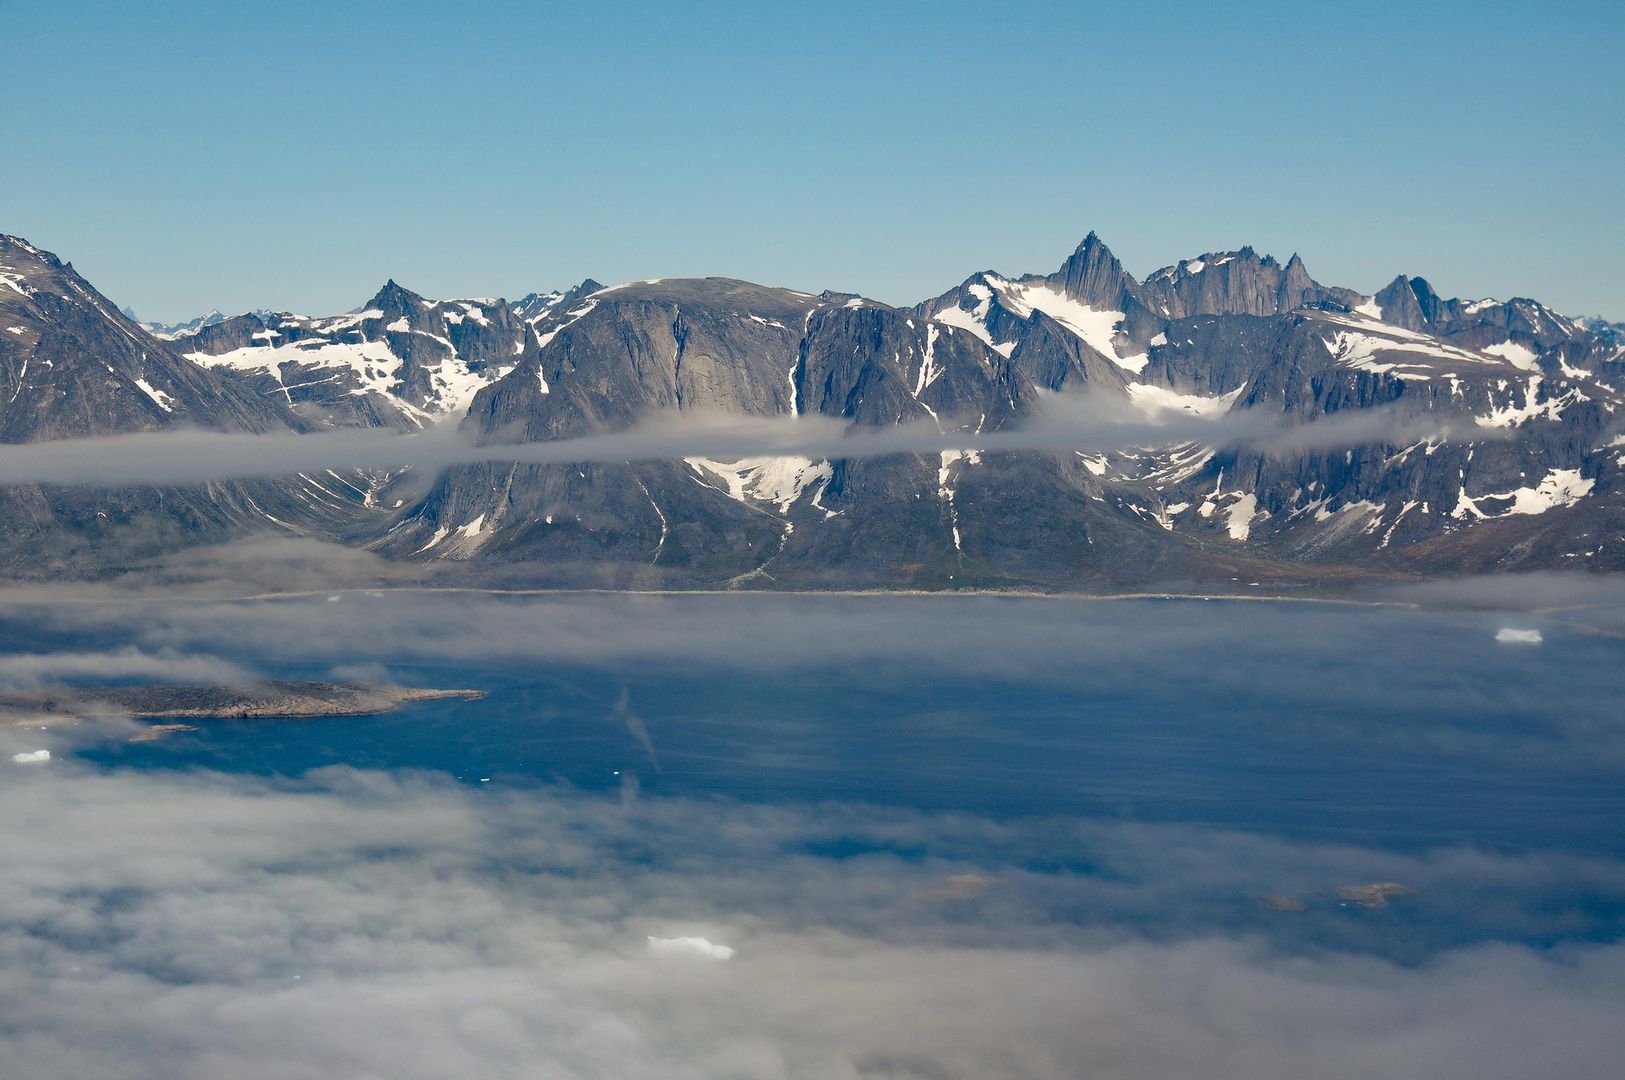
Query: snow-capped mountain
72, 365
1611, 332
398, 361
1530, 478
1513, 460
170, 331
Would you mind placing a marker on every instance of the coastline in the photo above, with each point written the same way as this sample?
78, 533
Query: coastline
267, 700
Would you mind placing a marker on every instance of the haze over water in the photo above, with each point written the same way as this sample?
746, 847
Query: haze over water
1010, 808
1392, 728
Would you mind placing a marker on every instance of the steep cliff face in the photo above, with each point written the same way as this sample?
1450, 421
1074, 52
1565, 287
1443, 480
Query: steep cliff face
73, 365
1524, 443
1264, 341
1464, 435
714, 345
1237, 283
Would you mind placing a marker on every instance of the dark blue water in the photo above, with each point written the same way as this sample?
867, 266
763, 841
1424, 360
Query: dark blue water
1151, 765
1387, 729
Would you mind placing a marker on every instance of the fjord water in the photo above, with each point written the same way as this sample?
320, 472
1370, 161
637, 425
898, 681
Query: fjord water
1383, 727
753, 836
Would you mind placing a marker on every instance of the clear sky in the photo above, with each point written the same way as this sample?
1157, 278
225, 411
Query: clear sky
294, 155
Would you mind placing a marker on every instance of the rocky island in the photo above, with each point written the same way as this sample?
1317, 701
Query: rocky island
270, 699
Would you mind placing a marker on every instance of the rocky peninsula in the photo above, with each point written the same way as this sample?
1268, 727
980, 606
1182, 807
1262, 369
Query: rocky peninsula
272, 699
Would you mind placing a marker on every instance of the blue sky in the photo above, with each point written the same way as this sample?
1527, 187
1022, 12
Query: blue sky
187, 156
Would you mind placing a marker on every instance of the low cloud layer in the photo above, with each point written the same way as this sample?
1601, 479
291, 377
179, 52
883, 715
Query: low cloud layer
370, 924
28, 670
1068, 423
358, 924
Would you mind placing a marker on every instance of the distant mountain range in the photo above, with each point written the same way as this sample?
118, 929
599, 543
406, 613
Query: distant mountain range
1530, 476
214, 315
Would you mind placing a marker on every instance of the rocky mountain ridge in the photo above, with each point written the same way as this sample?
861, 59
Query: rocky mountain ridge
73, 366
399, 361
1527, 476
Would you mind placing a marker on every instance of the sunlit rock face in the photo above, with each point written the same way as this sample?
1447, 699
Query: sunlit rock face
1475, 435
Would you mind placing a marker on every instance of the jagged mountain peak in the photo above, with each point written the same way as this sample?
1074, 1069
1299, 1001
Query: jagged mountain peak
535, 306
212, 317
1094, 276
1241, 329
1245, 257
1413, 303
9, 243
1606, 329
393, 299
1296, 275
1237, 282
73, 364
1091, 243
21, 264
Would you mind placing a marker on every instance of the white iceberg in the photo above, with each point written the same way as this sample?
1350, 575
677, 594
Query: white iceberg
1509, 635
32, 757
689, 946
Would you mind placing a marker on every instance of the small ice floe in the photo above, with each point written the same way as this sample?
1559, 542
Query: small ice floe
1511, 635
32, 757
689, 946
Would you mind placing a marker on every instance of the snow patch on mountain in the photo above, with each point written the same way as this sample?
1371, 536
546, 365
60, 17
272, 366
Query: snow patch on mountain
163, 400
1559, 488
1519, 356
975, 318
1239, 518
779, 481
969, 320
1098, 329
573, 316
1365, 345
1511, 415
1156, 401
376, 368
949, 459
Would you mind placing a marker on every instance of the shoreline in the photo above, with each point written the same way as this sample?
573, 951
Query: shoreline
271, 699
996, 594
139, 598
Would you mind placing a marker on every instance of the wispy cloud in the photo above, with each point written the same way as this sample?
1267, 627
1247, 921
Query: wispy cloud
1068, 423
23, 670
635, 726
351, 923
363, 923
